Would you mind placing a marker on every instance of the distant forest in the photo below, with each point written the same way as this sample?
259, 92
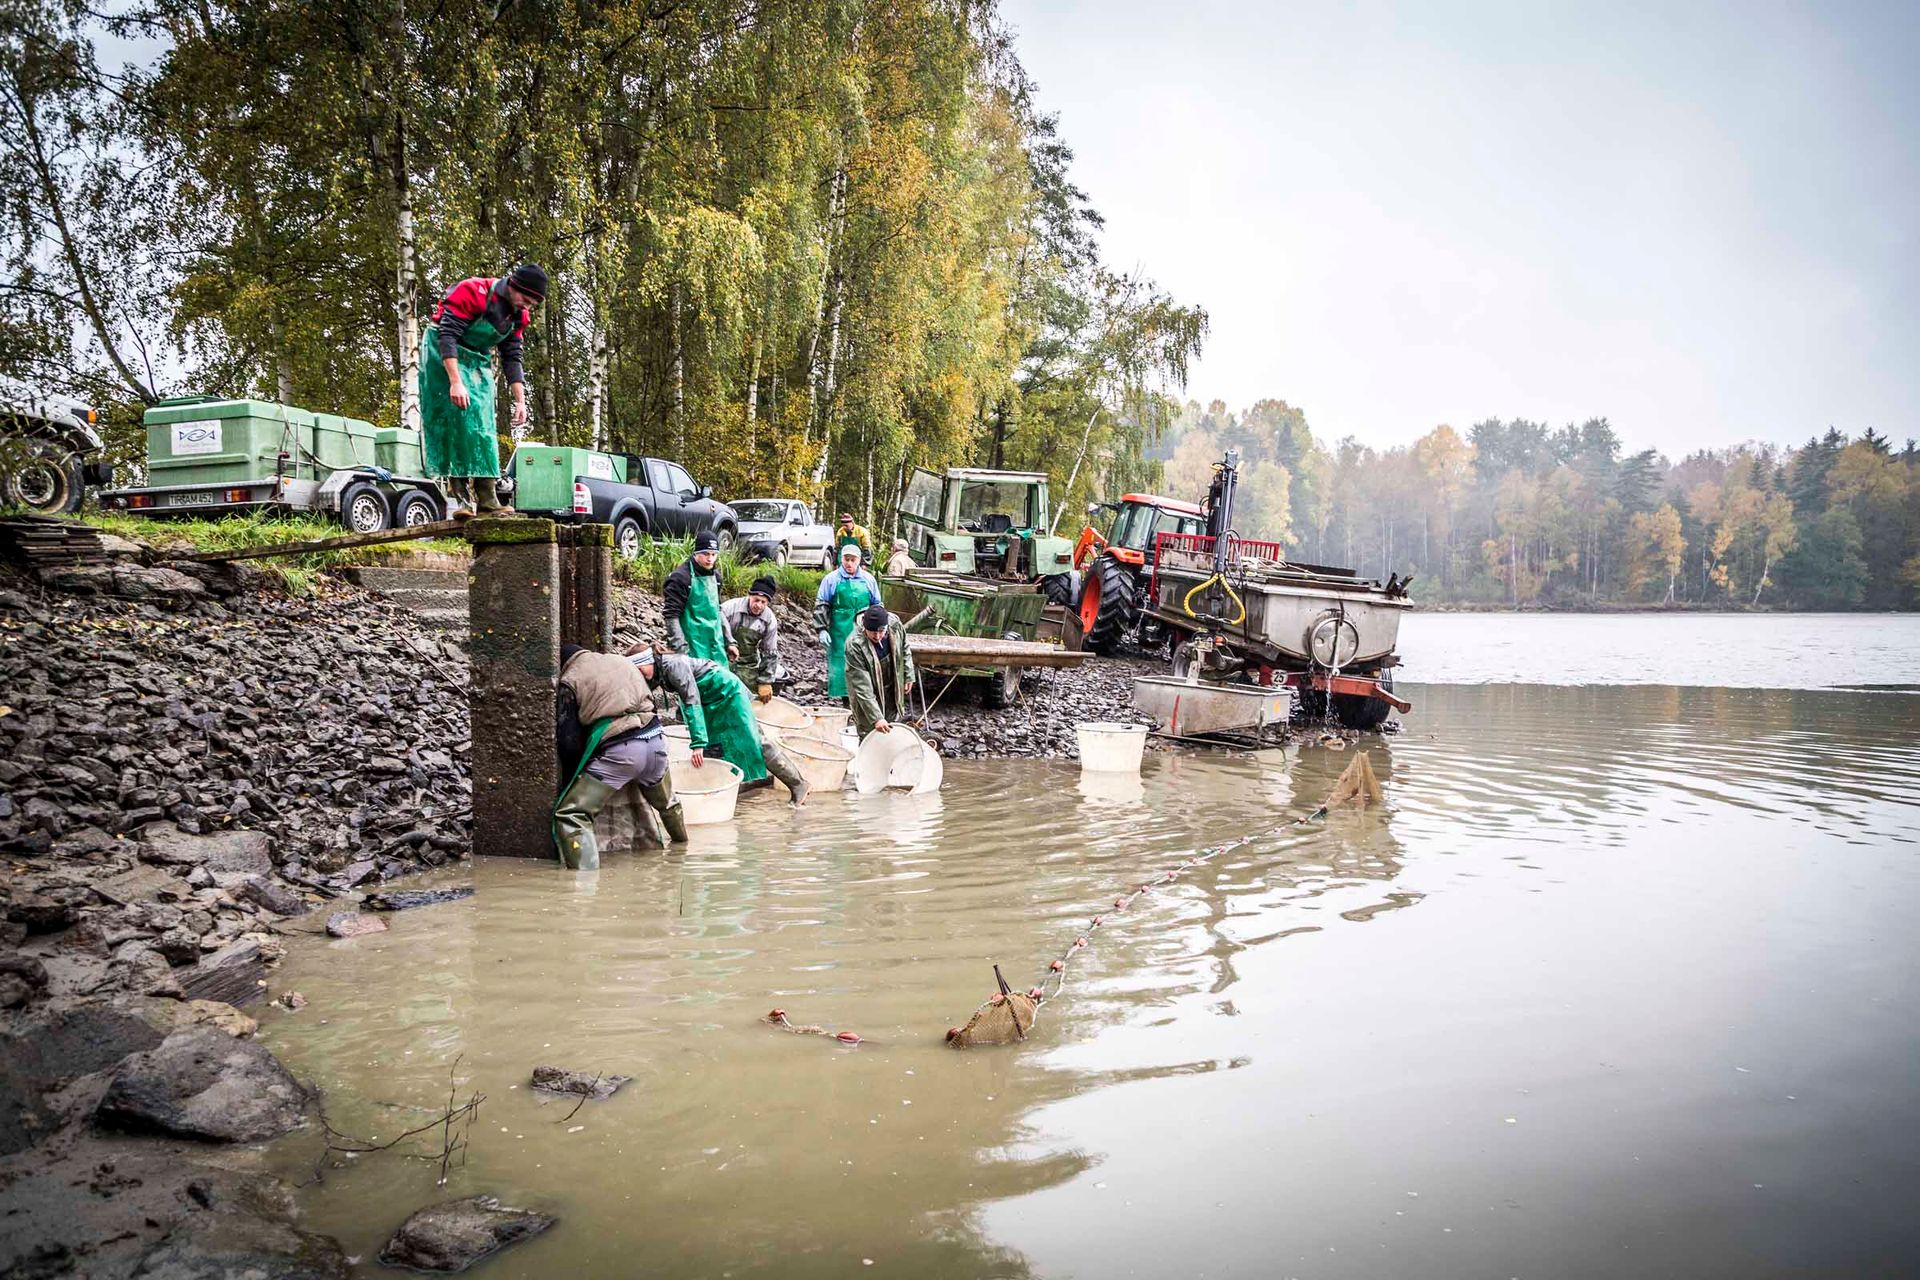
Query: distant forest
1520, 513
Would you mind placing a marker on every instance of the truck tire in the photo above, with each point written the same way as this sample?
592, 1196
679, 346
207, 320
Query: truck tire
414, 509
1001, 689
364, 509
782, 554
724, 536
1112, 615
827, 560
627, 537
44, 483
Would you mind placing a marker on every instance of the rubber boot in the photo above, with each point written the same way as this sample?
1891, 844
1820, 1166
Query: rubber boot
460, 497
672, 816
487, 498
782, 767
573, 822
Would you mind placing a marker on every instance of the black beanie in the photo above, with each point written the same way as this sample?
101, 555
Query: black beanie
530, 278
705, 541
566, 653
762, 586
875, 618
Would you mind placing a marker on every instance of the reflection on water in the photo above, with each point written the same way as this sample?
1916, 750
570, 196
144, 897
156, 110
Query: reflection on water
1747, 650
1549, 1000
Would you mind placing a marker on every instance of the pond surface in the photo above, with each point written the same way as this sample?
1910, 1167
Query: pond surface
1742, 650
1621, 981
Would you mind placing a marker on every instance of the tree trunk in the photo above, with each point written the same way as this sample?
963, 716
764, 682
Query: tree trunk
836, 205
1066, 494
679, 379
406, 285
597, 373
282, 362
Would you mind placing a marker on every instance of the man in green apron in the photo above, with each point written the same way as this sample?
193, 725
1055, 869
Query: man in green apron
855, 534
690, 600
719, 717
756, 634
880, 672
476, 318
844, 594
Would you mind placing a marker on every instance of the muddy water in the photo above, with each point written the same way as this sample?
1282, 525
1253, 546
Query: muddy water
1620, 982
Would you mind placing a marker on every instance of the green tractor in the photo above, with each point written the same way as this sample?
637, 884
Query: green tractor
987, 524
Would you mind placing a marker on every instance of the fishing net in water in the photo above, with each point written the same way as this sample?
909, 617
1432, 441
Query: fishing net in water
1007, 1016
1357, 786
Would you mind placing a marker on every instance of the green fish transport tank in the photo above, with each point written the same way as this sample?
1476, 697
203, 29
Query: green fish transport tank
208, 456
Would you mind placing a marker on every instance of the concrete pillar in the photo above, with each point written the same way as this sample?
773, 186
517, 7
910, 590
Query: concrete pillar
586, 585
513, 606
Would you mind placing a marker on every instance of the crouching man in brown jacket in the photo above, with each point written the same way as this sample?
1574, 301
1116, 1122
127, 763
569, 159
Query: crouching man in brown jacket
608, 735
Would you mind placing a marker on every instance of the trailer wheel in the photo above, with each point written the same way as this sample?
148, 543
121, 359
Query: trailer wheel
363, 508
1350, 710
44, 483
1110, 590
415, 509
627, 536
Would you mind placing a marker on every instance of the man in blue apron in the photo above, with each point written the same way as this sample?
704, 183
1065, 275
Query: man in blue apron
476, 318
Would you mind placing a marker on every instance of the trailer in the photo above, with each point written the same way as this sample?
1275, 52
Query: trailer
976, 629
208, 456
1236, 611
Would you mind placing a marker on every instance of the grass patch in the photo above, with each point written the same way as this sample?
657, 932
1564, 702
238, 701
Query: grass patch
298, 575
661, 556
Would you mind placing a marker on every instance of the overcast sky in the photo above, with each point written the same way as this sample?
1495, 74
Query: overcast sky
1701, 221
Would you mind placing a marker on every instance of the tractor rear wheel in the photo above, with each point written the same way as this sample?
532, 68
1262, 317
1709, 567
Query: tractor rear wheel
1106, 605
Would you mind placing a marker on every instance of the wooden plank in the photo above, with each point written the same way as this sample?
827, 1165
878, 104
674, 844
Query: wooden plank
438, 529
985, 651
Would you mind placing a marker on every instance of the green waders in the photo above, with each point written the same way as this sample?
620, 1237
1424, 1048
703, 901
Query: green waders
585, 795
706, 637
459, 442
731, 730
850, 599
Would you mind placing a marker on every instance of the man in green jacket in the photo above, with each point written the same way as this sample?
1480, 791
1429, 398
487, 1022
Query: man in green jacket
880, 671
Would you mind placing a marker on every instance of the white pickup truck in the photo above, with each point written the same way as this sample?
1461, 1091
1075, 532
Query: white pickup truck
783, 530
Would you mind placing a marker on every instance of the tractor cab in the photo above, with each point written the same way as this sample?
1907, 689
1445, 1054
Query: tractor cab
991, 524
1138, 520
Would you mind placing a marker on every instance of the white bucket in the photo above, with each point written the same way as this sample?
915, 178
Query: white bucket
707, 794
898, 758
1106, 747
822, 764
828, 722
679, 743
780, 719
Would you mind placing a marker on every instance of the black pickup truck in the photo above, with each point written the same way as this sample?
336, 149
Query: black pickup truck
640, 497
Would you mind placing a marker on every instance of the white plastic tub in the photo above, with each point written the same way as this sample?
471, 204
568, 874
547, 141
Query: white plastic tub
822, 764
707, 794
679, 743
781, 720
1106, 747
828, 723
898, 758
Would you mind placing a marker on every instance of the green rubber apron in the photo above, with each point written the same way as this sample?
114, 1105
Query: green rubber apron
706, 638
731, 730
850, 597
597, 732
460, 442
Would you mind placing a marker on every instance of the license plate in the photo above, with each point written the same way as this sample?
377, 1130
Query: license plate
194, 499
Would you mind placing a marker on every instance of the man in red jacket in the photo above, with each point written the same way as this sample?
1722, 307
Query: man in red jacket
475, 319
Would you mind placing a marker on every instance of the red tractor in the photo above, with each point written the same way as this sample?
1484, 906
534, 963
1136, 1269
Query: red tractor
1113, 570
